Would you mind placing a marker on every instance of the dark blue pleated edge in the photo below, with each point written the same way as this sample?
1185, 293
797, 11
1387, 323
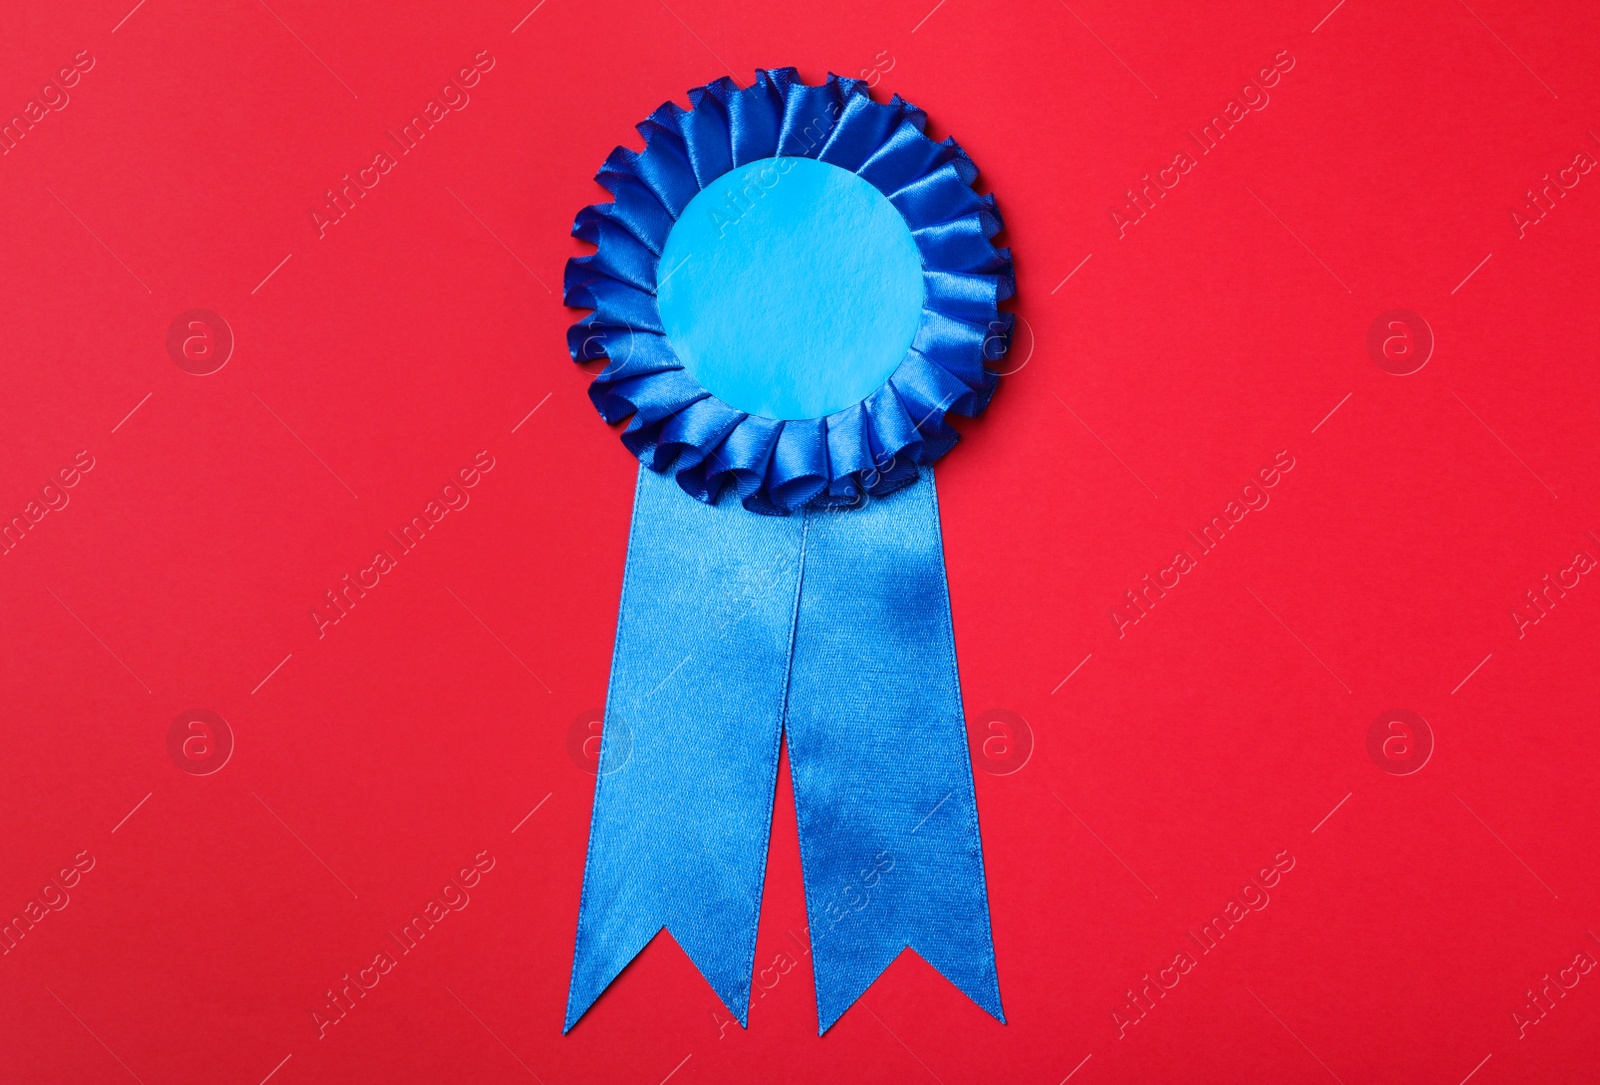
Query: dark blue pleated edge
777, 467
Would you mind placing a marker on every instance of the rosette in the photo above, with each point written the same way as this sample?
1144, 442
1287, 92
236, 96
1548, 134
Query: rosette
870, 445
793, 286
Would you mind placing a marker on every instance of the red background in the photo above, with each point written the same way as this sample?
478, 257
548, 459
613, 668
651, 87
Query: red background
374, 762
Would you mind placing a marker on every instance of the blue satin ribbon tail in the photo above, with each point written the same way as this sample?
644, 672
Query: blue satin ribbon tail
877, 747
834, 627
689, 750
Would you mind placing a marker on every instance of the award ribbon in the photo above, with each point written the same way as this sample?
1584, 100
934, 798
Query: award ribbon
793, 285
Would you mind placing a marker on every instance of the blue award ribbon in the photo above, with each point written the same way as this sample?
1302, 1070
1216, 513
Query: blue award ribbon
803, 356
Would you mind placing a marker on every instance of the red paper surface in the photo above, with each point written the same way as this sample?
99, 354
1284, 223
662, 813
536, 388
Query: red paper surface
1428, 922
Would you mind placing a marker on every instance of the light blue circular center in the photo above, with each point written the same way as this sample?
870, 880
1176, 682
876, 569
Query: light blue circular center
790, 288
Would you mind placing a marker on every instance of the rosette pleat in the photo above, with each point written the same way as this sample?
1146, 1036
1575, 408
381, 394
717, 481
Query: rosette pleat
799, 468
634, 207
967, 296
778, 467
691, 434
862, 127
755, 116
705, 132
618, 255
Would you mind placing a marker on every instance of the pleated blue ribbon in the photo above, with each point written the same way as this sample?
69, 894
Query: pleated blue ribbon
825, 621
774, 466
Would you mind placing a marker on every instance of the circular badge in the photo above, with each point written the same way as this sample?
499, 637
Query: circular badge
199, 342
199, 742
809, 261
1400, 742
793, 286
